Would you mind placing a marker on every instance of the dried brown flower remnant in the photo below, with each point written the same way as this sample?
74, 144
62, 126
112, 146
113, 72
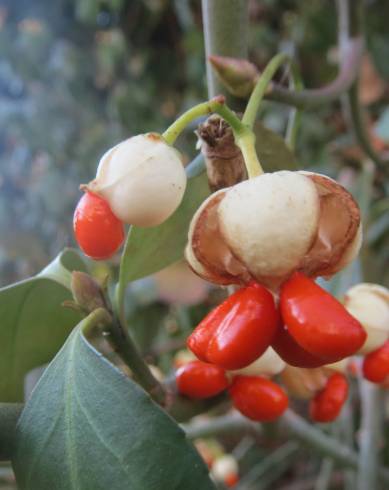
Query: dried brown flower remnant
223, 159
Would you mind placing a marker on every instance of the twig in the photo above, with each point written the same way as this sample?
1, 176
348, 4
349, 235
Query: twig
312, 98
324, 479
271, 466
369, 436
346, 434
226, 34
350, 24
223, 425
295, 426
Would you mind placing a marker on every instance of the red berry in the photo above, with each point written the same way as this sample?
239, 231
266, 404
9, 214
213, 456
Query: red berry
198, 379
258, 398
231, 480
327, 404
291, 352
376, 364
317, 321
238, 331
98, 231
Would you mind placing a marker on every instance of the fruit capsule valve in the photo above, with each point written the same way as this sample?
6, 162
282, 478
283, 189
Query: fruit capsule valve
142, 179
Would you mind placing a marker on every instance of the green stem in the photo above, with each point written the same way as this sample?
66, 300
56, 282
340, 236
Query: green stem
259, 91
124, 345
244, 137
246, 143
270, 467
294, 120
215, 105
225, 34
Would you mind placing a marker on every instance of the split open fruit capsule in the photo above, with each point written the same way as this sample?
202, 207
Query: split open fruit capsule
267, 227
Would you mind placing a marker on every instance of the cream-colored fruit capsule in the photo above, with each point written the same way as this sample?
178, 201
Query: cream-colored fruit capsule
269, 364
224, 466
142, 179
369, 304
304, 383
269, 226
340, 366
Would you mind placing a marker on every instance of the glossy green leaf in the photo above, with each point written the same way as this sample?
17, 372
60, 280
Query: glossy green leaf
149, 250
273, 153
33, 324
89, 427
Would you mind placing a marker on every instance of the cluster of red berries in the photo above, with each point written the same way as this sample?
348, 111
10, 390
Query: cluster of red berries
310, 328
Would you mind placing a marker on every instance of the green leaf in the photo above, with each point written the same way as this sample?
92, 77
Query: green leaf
149, 250
89, 427
9, 416
33, 324
273, 153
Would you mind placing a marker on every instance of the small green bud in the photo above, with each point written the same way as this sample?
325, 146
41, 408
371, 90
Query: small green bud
87, 293
239, 76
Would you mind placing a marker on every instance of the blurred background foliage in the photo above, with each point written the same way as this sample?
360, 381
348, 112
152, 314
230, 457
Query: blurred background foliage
78, 76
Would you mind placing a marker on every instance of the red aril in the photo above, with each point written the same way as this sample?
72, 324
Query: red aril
376, 364
327, 404
258, 398
198, 379
291, 352
238, 331
98, 231
317, 321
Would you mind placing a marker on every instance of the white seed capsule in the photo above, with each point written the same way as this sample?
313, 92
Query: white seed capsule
270, 222
142, 179
224, 466
304, 383
269, 364
340, 366
369, 304
269, 226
